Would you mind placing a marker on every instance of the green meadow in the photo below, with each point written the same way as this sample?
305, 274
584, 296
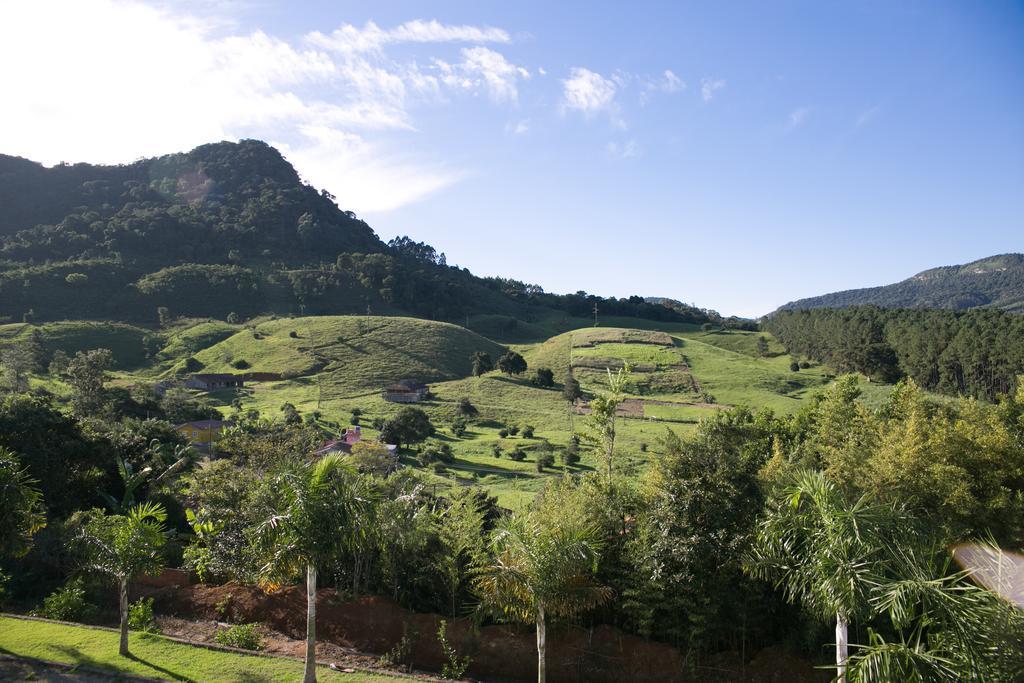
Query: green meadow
332, 365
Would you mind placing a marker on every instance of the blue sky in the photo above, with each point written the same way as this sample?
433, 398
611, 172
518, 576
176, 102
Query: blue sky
733, 155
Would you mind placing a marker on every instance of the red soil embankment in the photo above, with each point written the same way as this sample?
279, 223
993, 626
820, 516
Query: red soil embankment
375, 624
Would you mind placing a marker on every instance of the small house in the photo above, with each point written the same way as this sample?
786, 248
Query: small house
406, 391
212, 382
201, 432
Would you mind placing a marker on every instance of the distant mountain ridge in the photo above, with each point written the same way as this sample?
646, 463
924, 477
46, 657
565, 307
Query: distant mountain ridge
995, 282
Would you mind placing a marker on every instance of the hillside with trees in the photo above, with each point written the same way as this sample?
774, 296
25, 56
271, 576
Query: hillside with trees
977, 353
994, 282
231, 228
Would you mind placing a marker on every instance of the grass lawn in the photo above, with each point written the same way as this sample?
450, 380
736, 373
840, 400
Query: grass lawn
152, 656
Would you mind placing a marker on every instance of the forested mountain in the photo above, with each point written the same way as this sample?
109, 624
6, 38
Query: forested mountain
230, 228
996, 282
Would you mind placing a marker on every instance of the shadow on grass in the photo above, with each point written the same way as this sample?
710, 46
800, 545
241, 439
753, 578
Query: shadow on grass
167, 672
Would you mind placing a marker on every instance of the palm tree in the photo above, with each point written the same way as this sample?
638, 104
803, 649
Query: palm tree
824, 552
317, 512
123, 546
21, 507
541, 567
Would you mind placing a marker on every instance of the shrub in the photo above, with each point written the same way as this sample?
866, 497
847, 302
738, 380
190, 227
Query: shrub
459, 426
643, 447
517, 454
528, 432
193, 365
571, 455
543, 378
293, 334
804, 365
223, 607
454, 666
241, 364
466, 408
140, 616
503, 433
242, 636
67, 603
513, 430
496, 450
794, 366
233, 318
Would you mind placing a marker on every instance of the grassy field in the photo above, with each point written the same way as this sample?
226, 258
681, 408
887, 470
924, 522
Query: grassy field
334, 364
152, 655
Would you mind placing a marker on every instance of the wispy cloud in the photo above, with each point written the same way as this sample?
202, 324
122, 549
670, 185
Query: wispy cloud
334, 102
710, 86
667, 83
797, 117
866, 116
623, 150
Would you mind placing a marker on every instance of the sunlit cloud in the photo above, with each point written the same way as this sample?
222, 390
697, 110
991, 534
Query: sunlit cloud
710, 86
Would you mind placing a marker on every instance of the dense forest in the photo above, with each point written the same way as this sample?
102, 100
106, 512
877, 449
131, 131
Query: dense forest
977, 353
230, 228
995, 282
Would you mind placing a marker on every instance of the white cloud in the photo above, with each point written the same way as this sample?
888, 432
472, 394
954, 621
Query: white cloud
482, 68
671, 83
351, 39
709, 86
109, 81
797, 117
588, 92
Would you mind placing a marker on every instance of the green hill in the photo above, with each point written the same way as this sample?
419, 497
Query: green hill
996, 282
349, 354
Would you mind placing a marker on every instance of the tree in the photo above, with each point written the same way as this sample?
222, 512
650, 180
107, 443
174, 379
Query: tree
794, 367
316, 513
482, 363
762, 346
17, 361
543, 378
21, 507
466, 408
824, 552
459, 529
87, 373
409, 425
603, 413
124, 546
511, 363
571, 390
541, 566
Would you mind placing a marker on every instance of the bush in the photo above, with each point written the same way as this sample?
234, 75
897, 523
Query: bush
293, 334
528, 432
545, 459
496, 450
804, 365
513, 430
241, 364
517, 454
794, 367
543, 378
466, 408
242, 636
503, 433
643, 447
140, 616
459, 426
571, 455
67, 603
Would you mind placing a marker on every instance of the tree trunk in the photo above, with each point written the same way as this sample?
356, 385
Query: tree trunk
542, 674
842, 646
123, 590
309, 673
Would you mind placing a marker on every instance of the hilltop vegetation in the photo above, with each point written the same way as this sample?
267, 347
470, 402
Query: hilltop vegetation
994, 282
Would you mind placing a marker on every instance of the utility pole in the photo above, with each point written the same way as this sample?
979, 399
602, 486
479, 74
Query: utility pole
595, 314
